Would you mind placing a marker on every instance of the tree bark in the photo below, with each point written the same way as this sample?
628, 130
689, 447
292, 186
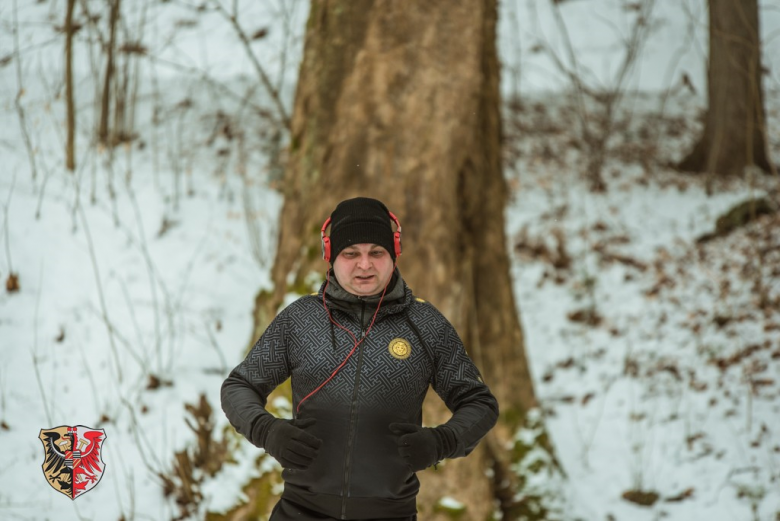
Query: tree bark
70, 155
400, 101
735, 123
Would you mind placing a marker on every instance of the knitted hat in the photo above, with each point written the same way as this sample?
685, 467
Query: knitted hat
360, 220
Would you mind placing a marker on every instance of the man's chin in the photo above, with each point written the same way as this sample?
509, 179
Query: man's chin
366, 290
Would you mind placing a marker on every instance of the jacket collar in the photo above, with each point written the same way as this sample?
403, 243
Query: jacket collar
397, 297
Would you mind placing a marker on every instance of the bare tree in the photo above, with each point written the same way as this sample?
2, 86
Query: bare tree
597, 127
106, 95
401, 103
734, 133
70, 156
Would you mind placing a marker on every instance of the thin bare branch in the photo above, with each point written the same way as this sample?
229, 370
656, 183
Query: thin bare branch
17, 100
273, 92
99, 283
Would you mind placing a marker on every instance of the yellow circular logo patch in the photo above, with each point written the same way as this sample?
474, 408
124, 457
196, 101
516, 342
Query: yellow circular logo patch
400, 348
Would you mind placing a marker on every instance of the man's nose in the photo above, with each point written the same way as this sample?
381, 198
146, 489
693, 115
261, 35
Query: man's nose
364, 262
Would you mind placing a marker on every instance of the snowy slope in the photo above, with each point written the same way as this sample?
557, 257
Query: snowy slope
672, 387
161, 278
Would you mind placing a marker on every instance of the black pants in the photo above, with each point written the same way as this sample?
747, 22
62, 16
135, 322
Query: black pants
286, 510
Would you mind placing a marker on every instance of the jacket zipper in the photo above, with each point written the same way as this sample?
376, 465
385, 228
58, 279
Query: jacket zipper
352, 419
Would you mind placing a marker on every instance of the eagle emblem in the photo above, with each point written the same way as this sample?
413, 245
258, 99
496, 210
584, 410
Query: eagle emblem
400, 348
73, 461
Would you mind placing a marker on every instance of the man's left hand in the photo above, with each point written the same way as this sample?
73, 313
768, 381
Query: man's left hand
418, 445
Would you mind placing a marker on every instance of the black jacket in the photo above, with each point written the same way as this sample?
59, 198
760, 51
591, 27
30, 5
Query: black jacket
358, 473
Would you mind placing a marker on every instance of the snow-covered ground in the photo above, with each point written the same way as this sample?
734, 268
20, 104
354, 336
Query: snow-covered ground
672, 389
653, 357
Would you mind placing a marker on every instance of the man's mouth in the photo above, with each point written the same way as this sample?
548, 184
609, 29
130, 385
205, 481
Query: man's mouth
364, 277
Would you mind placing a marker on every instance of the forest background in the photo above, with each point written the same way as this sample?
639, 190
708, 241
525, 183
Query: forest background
147, 159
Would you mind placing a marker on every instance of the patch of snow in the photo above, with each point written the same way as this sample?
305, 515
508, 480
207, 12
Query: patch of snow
451, 503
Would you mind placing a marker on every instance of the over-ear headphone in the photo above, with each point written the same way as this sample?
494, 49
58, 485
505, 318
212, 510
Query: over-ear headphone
396, 238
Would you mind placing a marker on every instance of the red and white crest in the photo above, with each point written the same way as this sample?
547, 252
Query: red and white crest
73, 462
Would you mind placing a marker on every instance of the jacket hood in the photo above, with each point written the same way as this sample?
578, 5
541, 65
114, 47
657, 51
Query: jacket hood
397, 297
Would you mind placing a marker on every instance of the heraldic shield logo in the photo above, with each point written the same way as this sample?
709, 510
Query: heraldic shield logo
72, 458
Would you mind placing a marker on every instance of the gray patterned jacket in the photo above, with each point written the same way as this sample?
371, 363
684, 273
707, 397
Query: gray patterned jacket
358, 473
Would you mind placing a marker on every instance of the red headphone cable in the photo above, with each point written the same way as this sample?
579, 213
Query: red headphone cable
357, 342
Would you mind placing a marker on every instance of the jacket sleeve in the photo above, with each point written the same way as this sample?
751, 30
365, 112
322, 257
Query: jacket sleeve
458, 382
245, 391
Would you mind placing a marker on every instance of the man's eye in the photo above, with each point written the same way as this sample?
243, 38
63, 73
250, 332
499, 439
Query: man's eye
377, 253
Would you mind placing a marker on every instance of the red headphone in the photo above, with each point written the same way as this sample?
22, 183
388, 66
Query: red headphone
357, 342
396, 238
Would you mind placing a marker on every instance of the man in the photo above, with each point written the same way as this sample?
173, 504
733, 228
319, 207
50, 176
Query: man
361, 353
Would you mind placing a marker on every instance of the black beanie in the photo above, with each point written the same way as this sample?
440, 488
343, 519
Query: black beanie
360, 220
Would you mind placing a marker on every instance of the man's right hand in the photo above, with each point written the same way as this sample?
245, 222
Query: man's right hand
291, 445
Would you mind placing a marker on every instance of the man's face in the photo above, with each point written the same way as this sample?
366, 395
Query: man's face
363, 269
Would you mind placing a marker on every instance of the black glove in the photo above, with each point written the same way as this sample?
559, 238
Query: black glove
291, 445
423, 446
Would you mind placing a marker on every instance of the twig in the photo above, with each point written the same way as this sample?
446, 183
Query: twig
693, 21
253, 229
597, 141
136, 74
35, 349
47, 174
109, 165
177, 301
155, 123
3, 392
574, 75
515, 67
94, 35
153, 281
91, 378
52, 93
104, 308
127, 490
287, 8
121, 131
131, 310
77, 186
125, 342
19, 94
6, 234
145, 448
591, 436
215, 345
233, 19
204, 76
670, 70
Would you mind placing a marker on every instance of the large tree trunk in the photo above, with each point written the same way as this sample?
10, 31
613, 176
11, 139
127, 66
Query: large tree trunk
400, 101
735, 124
